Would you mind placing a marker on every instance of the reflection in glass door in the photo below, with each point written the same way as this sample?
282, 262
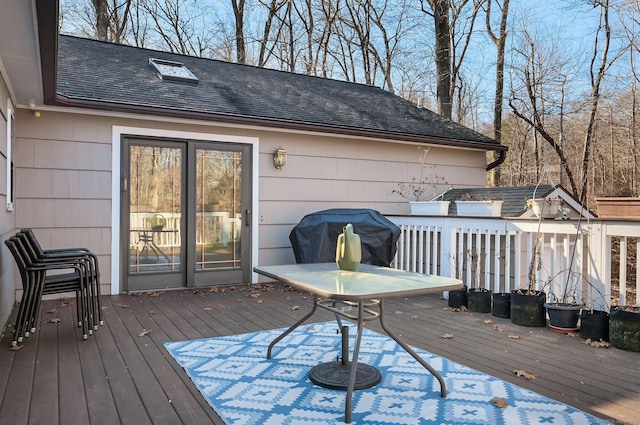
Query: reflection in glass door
186, 214
219, 209
155, 216
220, 201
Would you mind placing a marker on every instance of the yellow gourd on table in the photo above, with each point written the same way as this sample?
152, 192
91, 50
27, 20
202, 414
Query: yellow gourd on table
348, 249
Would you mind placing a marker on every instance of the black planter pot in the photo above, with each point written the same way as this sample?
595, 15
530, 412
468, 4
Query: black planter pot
563, 316
458, 298
624, 329
528, 310
479, 300
594, 324
501, 304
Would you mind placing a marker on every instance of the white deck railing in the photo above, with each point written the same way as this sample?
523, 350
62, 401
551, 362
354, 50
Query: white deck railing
572, 257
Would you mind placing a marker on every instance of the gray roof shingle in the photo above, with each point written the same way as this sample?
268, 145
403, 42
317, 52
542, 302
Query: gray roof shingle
116, 76
514, 198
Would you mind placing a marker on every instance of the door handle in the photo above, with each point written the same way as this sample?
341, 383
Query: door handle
247, 218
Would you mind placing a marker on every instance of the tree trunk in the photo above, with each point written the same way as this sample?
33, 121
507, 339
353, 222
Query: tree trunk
443, 56
238, 13
101, 9
500, 42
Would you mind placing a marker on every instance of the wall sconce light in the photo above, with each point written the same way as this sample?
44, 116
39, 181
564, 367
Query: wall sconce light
34, 112
279, 158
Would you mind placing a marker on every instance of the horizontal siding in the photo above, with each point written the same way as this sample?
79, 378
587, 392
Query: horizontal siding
40, 183
63, 170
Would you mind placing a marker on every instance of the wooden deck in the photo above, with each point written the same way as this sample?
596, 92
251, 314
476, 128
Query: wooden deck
123, 375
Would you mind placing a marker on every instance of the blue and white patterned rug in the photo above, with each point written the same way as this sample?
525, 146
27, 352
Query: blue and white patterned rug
244, 388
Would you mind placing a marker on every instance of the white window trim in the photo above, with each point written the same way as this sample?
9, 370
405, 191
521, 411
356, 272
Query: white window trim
10, 147
116, 181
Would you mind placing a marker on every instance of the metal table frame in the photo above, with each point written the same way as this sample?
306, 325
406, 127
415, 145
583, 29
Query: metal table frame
328, 284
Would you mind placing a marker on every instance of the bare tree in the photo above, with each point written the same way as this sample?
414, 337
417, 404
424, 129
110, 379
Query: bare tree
541, 74
500, 43
545, 84
101, 8
267, 42
453, 28
238, 14
439, 10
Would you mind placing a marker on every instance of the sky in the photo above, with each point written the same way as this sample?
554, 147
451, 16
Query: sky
571, 23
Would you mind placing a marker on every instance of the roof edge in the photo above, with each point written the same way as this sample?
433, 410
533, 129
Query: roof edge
61, 100
47, 15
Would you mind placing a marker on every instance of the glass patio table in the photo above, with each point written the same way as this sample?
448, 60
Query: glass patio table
358, 296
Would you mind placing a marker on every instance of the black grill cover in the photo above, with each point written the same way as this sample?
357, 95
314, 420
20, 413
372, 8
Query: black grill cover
314, 239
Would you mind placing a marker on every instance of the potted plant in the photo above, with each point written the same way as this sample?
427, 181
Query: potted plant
563, 308
624, 327
527, 303
501, 304
479, 299
594, 323
545, 207
471, 206
424, 193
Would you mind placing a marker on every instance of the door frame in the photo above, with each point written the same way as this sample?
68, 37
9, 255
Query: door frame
118, 132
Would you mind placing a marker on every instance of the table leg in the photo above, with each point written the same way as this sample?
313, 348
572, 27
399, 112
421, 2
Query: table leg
443, 387
354, 365
295, 325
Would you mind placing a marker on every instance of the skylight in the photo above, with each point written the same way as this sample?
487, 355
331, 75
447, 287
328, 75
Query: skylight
173, 71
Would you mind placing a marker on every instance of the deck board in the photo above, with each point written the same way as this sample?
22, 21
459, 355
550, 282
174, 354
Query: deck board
118, 376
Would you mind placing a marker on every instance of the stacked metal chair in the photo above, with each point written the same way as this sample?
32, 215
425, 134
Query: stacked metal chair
54, 271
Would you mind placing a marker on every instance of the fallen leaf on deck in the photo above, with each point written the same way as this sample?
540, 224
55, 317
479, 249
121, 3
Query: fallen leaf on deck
397, 312
124, 305
104, 307
65, 304
447, 335
524, 374
144, 332
295, 307
52, 311
217, 289
16, 347
513, 336
260, 301
455, 309
208, 308
597, 344
497, 328
499, 402
254, 295
54, 320
488, 321
152, 312
415, 317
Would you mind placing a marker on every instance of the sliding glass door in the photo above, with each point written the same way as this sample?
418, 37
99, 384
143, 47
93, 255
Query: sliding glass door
186, 217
